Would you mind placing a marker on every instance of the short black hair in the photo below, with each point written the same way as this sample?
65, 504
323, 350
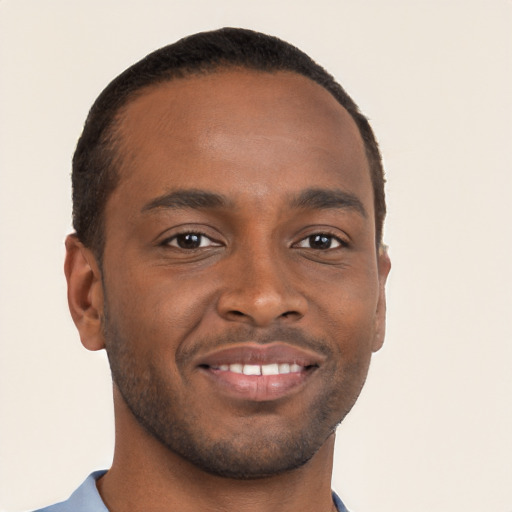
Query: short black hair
96, 159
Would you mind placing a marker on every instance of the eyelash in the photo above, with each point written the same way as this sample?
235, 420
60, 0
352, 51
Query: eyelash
213, 243
201, 236
341, 243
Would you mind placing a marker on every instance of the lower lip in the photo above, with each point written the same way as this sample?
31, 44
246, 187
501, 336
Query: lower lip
258, 388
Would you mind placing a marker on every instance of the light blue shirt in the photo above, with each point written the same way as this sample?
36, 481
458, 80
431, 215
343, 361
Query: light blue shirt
87, 499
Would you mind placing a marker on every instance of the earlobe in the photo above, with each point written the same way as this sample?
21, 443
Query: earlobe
85, 293
384, 266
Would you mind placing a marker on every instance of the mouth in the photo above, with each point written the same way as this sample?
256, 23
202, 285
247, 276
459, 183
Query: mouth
259, 373
264, 369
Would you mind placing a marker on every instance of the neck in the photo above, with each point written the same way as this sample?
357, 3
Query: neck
147, 476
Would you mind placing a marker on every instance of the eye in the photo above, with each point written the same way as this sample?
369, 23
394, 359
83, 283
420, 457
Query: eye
191, 241
321, 241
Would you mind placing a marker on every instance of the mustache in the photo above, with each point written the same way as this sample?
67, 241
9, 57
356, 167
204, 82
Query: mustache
292, 335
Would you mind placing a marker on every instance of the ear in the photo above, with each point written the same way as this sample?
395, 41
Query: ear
384, 266
85, 293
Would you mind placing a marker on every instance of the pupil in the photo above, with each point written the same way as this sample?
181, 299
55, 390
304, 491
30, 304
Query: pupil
189, 241
320, 241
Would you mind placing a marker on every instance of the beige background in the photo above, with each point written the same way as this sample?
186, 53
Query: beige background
433, 427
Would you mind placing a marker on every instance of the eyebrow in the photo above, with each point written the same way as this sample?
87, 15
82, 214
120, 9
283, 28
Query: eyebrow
324, 199
313, 198
190, 198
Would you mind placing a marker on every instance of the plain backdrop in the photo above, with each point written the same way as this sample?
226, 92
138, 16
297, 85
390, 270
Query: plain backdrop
433, 427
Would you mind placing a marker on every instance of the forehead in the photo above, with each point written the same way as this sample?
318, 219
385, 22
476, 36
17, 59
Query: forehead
239, 129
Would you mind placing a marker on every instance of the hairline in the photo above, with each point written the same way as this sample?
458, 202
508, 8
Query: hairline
112, 131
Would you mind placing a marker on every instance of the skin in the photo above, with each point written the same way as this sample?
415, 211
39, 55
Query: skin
262, 141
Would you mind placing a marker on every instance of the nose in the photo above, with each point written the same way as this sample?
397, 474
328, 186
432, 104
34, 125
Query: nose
260, 290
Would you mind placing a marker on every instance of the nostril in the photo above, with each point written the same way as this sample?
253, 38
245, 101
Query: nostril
288, 314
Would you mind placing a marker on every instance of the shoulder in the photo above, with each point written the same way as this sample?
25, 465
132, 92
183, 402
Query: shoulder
340, 507
85, 499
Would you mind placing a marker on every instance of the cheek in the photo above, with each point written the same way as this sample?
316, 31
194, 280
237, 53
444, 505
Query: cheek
347, 313
348, 295
154, 309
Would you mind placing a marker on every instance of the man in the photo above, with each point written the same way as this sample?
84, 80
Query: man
228, 206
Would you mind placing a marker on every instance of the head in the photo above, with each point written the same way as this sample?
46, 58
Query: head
240, 289
97, 159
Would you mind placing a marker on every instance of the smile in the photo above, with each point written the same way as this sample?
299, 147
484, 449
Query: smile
264, 369
255, 372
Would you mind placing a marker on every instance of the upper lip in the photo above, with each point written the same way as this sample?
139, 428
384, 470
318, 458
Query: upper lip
258, 354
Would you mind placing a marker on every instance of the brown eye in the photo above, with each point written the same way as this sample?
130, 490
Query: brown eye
191, 241
321, 242
188, 241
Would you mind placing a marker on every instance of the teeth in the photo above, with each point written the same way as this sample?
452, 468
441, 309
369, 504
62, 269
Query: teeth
284, 368
252, 369
265, 369
236, 368
270, 369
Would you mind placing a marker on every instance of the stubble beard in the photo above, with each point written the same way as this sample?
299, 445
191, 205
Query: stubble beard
156, 407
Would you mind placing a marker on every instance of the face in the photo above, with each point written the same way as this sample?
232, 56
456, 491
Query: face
243, 289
